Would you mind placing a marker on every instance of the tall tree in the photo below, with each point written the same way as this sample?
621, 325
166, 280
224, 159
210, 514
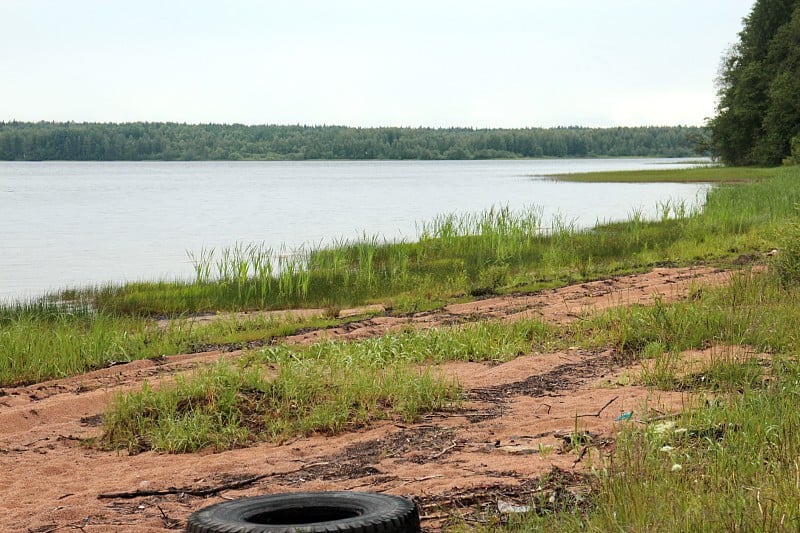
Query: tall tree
782, 117
755, 121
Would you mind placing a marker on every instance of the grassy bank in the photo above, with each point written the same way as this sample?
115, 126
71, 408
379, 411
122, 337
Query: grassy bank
331, 386
730, 462
42, 342
455, 257
468, 254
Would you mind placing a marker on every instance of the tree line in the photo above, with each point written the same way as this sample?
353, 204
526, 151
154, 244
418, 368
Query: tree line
757, 120
40, 141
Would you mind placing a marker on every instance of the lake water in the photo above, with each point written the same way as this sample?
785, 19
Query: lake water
66, 224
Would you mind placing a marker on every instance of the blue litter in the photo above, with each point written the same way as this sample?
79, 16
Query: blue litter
624, 416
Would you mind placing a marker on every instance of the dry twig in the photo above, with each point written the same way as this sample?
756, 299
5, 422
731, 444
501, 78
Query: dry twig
441, 453
598, 413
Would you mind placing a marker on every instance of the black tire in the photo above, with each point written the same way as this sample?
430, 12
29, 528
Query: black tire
309, 512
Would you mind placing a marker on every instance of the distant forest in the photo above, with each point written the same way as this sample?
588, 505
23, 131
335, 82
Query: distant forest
41, 141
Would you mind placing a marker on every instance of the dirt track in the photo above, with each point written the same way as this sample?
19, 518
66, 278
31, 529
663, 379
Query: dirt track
517, 424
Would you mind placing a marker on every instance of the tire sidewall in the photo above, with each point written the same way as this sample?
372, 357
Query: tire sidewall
375, 512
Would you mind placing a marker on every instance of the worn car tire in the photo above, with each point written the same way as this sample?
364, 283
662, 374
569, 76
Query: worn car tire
309, 512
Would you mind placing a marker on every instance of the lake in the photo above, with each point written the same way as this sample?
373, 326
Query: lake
67, 224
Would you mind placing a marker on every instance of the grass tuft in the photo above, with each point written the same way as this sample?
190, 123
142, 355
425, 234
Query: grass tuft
227, 405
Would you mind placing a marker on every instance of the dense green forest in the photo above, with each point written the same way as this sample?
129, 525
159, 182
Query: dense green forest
758, 114
170, 141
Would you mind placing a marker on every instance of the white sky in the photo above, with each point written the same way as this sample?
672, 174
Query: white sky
436, 63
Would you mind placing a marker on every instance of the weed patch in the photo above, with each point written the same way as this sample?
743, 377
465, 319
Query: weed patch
227, 406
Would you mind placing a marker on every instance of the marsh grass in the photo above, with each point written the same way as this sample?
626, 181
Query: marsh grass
656, 332
787, 262
724, 372
706, 174
35, 349
728, 463
753, 309
724, 376
208, 410
660, 371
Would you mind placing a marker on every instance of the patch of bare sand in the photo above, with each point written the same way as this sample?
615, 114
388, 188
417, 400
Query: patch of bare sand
560, 305
62, 401
555, 305
206, 318
514, 426
509, 431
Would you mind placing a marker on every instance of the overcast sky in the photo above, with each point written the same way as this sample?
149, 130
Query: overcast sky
436, 63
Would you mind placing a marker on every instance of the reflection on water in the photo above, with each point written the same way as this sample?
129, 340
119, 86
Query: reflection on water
66, 224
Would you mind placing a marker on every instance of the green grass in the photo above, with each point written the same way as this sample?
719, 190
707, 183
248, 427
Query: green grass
730, 461
730, 465
752, 310
708, 174
326, 387
35, 350
230, 405
656, 332
485, 341
735, 445
45, 343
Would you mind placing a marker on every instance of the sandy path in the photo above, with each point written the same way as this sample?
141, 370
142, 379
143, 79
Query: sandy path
512, 429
